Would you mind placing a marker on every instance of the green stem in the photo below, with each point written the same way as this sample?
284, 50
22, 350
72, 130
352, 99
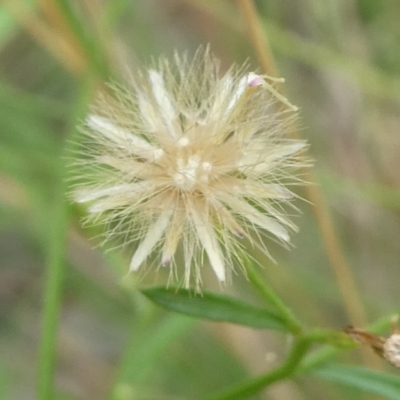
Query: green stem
272, 298
56, 246
299, 349
52, 299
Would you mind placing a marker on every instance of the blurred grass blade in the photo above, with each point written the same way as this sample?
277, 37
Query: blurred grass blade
146, 348
214, 307
53, 292
89, 44
56, 223
382, 384
6, 381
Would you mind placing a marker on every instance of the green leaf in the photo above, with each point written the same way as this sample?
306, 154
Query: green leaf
214, 307
382, 384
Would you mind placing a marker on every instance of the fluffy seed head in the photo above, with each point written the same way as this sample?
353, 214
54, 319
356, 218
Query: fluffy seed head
187, 161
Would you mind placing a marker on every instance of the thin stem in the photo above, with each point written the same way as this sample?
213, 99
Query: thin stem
250, 387
272, 298
341, 270
52, 299
55, 268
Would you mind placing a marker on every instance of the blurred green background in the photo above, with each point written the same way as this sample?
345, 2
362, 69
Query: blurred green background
341, 61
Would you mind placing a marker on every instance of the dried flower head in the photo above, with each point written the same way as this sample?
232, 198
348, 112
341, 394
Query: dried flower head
388, 348
192, 160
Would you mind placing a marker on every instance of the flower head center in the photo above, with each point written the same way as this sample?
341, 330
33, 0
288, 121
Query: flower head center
191, 171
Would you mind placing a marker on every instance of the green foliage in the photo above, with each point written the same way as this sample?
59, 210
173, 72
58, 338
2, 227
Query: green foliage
363, 379
214, 307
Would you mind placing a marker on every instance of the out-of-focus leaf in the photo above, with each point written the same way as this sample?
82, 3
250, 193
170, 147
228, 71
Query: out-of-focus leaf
214, 307
6, 379
382, 384
146, 348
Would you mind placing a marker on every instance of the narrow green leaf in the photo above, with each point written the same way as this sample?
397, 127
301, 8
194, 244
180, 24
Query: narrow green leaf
214, 307
382, 384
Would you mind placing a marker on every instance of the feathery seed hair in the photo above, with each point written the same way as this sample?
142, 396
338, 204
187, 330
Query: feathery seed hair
187, 160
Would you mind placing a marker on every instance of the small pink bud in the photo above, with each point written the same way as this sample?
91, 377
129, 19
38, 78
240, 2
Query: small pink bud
255, 80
